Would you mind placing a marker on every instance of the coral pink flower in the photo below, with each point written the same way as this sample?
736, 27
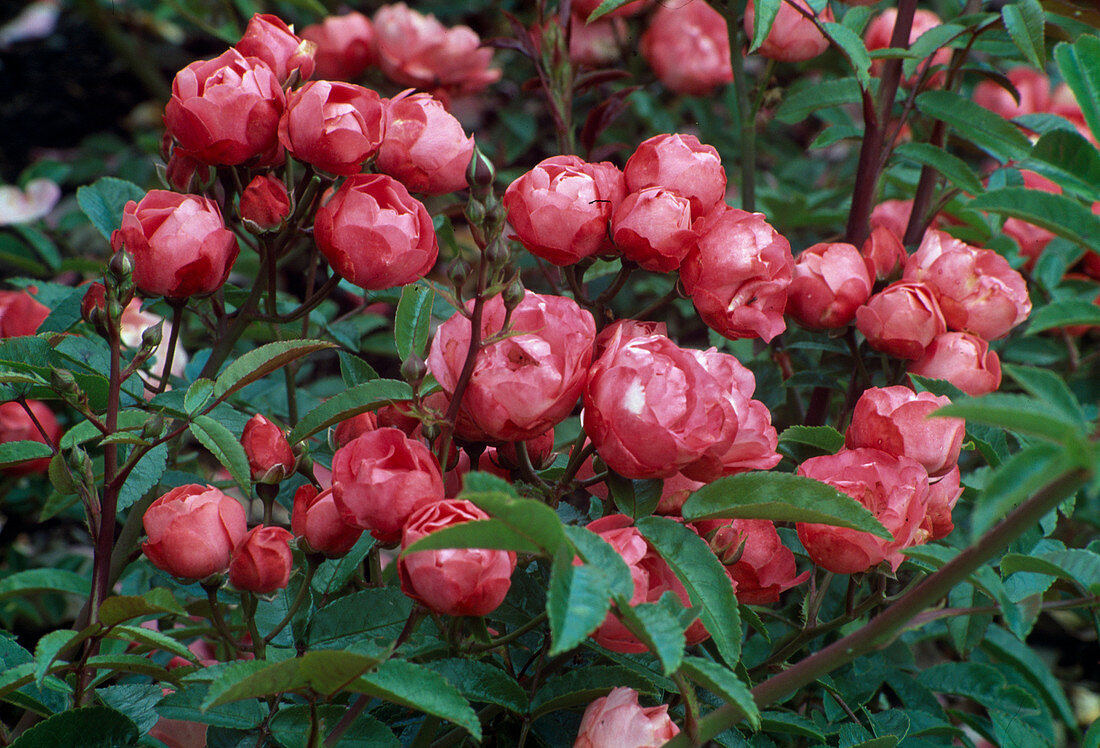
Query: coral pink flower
962, 359
680, 164
332, 125
345, 46
192, 531
619, 721
652, 227
881, 29
270, 458
316, 520
20, 314
901, 320
262, 560
265, 202
830, 281
17, 426
425, 147
1032, 86
688, 47
793, 36
271, 40
896, 420
754, 557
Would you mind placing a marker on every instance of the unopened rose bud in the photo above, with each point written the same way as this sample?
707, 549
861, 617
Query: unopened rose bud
475, 212
151, 337
262, 561
121, 266
63, 383
265, 203
480, 172
270, 458
497, 255
413, 370
459, 271
153, 427
514, 294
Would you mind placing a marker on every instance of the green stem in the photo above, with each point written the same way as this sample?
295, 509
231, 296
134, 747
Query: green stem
218, 620
303, 592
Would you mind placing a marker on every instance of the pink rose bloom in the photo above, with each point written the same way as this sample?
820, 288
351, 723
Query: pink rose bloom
901, 320
1032, 86
270, 458
20, 314
523, 384
680, 164
688, 47
265, 202
179, 244
619, 721
356, 426
883, 254
943, 494
271, 40
893, 215
226, 110
192, 531
894, 489
652, 578
262, 560
881, 28
625, 329
896, 420
425, 147
345, 46
16, 426
962, 359
754, 557
333, 126
977, 290
375, 234
830, 281
560, 209
316, 520
675, 490
793, 36
417, 50
738, 273
652, 227
453, 581
596, 44
381, 478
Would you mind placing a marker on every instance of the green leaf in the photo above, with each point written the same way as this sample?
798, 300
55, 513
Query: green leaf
478, 481
225, 447
825, 438
103, 201
992, 133
853, 49
416, 687
44, 580
799, 105
321, 671
379, 613
634, 498
491, 534
703, 576
481, 682
1017, 413
582, 685
764, 13
528, 517
927, 43
724, 683
1007, 648
136, 701
982, 683
607, 6
1068, 159
144, 477
414, 317
957, 171
87, 727
197, 395
577, 602
115, 610
658, 626
354, 370
186, 704
153, 639
127, 663
1016, 479
367, 396
291, 727
596, 552
85, 431
257, 364
1079, 64
14, 453
47, 650
791, 724
1077, 566
1055, 213
1025, 22
1062, 313
780, 497
1049, 388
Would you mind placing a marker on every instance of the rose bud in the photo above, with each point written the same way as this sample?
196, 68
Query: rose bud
16, 425
896, 420
525, 383
381, 478
226, 110
652, 578
738, 273
596, 44
883, 254
754, 557
894, 489
688, 47
943, 494
539, 450
901, 320
179, 244
345, 46
454, 581
332, 125
265, 202
375, 234
185, 174
681, 164
356, 426
316, 520
269, 455
20, 314
270, 39
418, 51
1032, 86
618, 720
131, 332
1032, 239
425, 147
398, 415
881, 29
977, 290
830, 281
583, 8
962, 359
561, 208
793, 36
192, 531
652, 227
262, 560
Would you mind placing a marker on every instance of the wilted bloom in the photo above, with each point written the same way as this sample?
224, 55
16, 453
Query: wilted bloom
688, 47
619, 721
381, 478
345, 46
16, 425
425, 147
375, 234
738, 273
523, 384
560, 209
265, 202
270, 39
962, 359
681, 164
453, 581
192, 531
269, 455
881, 28
179, 244
652, 227
317, 521
901, 320
261, 561
830, 281
226, 110
793, 36
894, 489
754, 557
896, 420
34, 201
332, 125
20, 314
